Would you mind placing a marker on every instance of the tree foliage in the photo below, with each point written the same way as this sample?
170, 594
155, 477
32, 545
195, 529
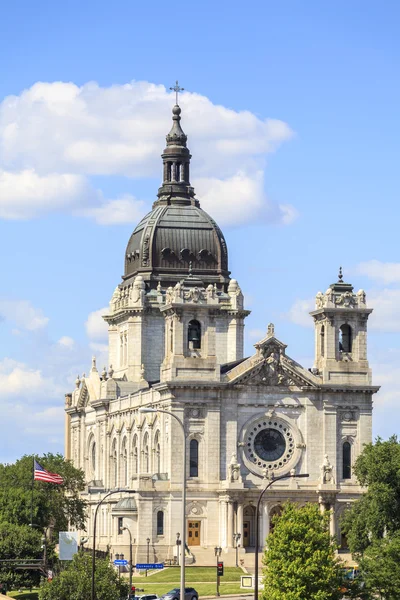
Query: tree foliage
380, 566
299, 562
55, 505
377, 513
19, 542
74, 583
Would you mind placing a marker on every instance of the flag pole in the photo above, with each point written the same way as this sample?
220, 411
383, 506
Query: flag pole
33, 482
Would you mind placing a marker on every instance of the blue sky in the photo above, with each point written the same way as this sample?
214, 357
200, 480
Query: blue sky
295, 154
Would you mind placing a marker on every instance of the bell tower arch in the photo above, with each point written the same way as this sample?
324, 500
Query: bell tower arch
340, 318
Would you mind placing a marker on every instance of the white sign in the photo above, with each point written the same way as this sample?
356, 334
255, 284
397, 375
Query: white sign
68, 544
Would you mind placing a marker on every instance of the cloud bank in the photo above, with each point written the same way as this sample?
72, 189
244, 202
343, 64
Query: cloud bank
54, 137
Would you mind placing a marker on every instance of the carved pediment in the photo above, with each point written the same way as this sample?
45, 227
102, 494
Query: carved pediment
271, 368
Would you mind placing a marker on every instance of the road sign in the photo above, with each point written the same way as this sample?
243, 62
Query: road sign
150, 566
120, 563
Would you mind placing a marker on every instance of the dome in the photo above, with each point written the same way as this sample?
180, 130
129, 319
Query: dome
171, 237
177, 235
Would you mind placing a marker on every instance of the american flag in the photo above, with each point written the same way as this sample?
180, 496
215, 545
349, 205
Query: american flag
40, 474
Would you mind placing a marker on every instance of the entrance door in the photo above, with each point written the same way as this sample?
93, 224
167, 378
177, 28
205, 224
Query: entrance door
194, 533
246, 533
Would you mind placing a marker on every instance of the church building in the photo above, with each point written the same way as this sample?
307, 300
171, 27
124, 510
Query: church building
176, 331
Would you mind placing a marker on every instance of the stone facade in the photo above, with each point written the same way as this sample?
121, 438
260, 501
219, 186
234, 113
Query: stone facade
176, 343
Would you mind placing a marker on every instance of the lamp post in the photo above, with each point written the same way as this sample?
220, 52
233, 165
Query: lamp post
183, 535
117, 491
130, 557
289, 476
218, 551
178, 544
236, 538
148, 552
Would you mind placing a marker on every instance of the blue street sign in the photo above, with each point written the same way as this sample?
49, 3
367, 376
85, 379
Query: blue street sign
120, 563
150, 566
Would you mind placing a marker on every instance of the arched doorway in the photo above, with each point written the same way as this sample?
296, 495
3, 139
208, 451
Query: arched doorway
249, 526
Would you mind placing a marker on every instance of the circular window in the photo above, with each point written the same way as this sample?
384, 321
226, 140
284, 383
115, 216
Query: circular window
269, 444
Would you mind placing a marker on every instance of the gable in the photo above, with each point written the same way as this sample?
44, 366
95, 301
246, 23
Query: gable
271, 367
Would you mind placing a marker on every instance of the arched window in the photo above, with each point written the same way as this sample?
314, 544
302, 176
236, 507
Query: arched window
124, 463
157, 450
93, 457
160, 522
346, 460
194, 335
194, 458
135, 454
345, 338
323, 340
146, 453
114, 465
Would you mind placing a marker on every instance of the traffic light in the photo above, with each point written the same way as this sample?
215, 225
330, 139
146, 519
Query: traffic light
220, 569
133, 593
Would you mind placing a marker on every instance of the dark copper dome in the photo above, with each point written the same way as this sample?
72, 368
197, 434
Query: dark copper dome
177, 234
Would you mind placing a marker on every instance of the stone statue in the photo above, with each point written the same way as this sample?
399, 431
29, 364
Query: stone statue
234, 469
319, 300
327, 471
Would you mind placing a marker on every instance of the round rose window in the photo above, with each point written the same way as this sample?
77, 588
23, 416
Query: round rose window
269, 444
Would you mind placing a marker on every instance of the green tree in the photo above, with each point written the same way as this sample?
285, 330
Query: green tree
380, 566
300, 562
377, 513
19, 542
56, 505
74, 583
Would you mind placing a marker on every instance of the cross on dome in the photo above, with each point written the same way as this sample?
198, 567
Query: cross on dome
176, 89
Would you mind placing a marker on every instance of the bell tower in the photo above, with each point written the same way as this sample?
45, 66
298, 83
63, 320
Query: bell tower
340, 318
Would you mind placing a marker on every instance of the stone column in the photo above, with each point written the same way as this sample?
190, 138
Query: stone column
333, 520
230, 524
239, 527
264, 524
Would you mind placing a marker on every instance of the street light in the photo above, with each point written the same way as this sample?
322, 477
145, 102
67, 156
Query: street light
117, 491
236, 538
183, 536
130, 557
148, 552
289, 476
218, 551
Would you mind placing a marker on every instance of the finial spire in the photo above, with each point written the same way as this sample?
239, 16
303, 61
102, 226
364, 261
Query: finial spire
176, 89
340, 275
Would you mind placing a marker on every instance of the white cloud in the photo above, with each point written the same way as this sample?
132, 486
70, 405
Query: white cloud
53, 136
23, 314
16, 379
119, 130
96, 327
25, 194
299, 312
379, 271
240, 199
115, 212
66, 342
386, 304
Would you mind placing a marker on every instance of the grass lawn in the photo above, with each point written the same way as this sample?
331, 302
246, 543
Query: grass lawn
26, 595
203, 579
192, 574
